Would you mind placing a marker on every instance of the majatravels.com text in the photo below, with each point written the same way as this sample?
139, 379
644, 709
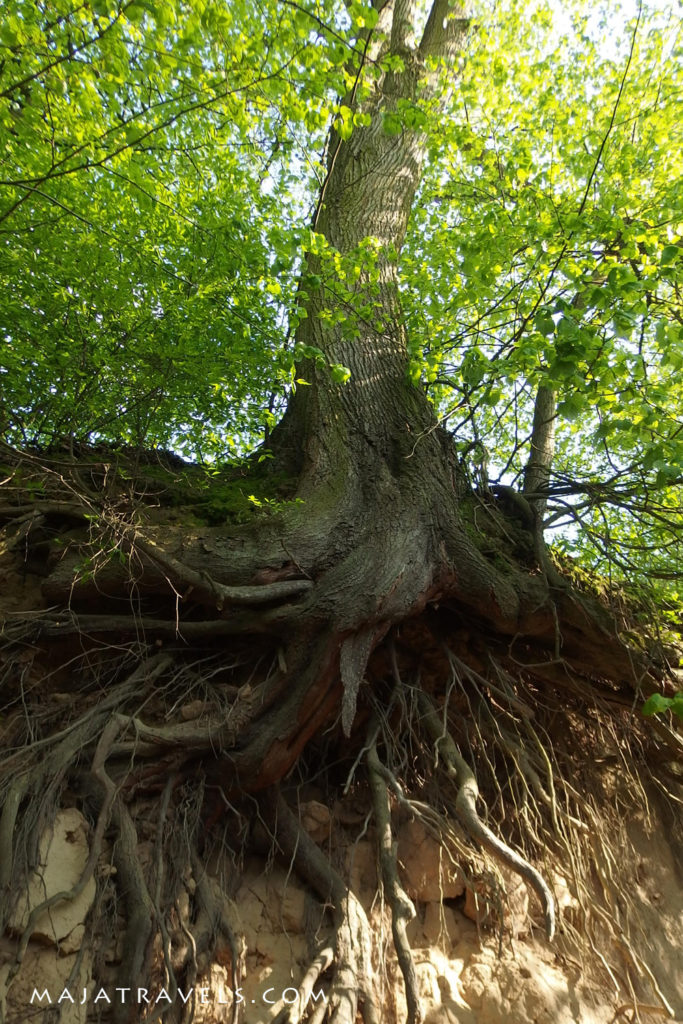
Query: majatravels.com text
143, 996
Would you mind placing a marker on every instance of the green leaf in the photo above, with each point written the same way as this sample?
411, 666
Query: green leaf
670, 253
656, 704
339, 373
544, 324
344, 122
392, 125
571, 408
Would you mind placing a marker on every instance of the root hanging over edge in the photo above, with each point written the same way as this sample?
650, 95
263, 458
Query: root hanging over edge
466, 810
352, 971
402, 908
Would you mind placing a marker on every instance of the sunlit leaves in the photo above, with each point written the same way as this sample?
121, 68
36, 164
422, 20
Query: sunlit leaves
147, 153
547, 250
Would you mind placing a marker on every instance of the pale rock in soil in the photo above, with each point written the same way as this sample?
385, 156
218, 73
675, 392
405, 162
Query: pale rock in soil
46, 969
441, 926
64, 852
316, 818
462, 979
427, 871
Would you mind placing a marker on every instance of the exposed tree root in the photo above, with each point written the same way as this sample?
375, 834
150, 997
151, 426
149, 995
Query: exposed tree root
465, 806
321, 962
353, 971
158, 703
402, 909
139, 908
208, 591
219, 916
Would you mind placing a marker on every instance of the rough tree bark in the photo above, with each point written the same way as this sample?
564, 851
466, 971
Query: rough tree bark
303, 610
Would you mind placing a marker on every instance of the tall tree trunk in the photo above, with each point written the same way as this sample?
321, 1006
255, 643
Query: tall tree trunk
296, 615
368, 194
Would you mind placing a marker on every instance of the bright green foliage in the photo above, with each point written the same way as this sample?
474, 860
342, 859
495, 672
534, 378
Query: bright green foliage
548, 249
657, 705
150, 204
159, 165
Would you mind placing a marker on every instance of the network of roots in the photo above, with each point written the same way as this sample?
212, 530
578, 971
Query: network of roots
453, 727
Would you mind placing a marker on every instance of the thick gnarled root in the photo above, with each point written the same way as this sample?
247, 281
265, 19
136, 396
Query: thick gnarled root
402, 909
352, 981
465, 806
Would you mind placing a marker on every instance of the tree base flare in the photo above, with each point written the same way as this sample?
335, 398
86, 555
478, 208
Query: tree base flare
183, 731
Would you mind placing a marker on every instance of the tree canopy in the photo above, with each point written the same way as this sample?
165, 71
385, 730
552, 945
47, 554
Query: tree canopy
160, 169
